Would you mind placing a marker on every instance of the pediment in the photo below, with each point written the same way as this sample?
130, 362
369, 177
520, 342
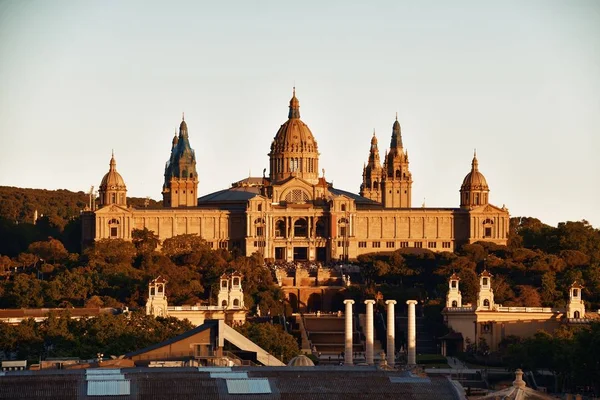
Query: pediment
296, 190
489, 209
112, 210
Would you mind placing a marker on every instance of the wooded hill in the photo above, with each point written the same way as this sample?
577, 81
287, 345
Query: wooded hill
19, 204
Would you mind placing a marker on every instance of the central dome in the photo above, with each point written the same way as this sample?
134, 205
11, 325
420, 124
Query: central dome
294, 150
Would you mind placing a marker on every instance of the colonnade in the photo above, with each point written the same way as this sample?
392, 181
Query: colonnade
391, 333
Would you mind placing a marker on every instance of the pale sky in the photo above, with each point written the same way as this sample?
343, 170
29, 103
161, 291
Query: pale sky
517, 80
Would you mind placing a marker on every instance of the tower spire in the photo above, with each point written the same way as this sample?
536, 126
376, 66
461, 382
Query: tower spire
294, 106
475, 163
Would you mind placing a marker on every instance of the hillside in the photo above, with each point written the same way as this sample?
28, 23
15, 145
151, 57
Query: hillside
19, 204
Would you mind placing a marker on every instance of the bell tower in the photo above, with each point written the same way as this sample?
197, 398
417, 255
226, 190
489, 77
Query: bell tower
371, 187
397, 179
231, 295
181, 179
156, 304
454, 297
575, 307
485, 297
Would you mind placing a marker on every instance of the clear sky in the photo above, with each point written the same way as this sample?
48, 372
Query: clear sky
517, 80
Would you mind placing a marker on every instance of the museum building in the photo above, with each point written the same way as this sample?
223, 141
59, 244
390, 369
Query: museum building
294, 213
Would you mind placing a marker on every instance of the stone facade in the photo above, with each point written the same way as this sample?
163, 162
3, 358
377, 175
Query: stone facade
230, 307
294, 213
493, 322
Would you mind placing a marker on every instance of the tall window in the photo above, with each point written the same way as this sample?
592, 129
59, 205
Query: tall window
113, 226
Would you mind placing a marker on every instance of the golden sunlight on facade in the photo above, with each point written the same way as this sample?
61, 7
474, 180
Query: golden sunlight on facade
294, 213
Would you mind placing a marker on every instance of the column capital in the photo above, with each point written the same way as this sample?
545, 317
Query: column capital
391, 302
369, 301
409, 302
348, 301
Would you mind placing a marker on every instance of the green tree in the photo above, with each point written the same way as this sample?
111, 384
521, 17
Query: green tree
271, 338
145, 241
51, 250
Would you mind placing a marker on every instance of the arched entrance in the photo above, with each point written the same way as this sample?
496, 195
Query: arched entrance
314, 303
293, 300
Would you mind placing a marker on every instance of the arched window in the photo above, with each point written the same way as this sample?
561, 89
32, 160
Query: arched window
486, 303
576, 314
301, 228
485, 281
398, 175
376, 185
224, 303
575, 292
320, 229
224, 284
236, 281
280, 228
113, 226
454, 303
236, 303
453, 284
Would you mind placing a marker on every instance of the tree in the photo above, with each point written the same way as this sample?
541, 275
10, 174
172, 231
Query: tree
145, 241
51, 250
271, 338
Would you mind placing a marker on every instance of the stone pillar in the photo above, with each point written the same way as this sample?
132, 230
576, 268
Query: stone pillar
369, 331
349, 348
412, 333
391, 333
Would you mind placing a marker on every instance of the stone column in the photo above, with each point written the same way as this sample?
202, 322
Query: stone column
369, 331
348, 348
412, 333
391, 333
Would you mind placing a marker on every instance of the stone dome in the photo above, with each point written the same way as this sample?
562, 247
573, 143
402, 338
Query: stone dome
294, 150
301, 361
294, 135
474, 179
112, 179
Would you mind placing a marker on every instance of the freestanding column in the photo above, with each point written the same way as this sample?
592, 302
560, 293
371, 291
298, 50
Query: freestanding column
412, 333
369, 331
348, 349
391, 333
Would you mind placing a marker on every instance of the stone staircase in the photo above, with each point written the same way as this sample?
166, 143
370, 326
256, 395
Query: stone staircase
326, 334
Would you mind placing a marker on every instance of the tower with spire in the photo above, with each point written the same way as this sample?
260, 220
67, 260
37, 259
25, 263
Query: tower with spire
371, 187
181, 179
294, 151
397, 179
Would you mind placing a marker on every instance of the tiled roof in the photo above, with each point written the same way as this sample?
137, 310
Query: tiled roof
290, 383
237, 194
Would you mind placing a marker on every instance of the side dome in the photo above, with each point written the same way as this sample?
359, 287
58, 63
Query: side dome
112, 189
474, 179
112, 179
474, 190
301, 361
